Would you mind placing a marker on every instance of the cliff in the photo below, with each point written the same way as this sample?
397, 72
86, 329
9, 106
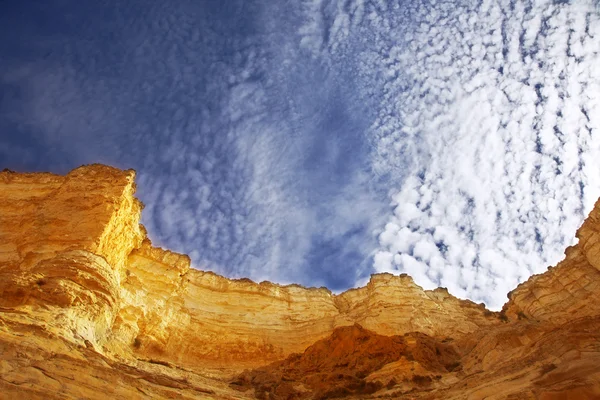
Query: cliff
89, 308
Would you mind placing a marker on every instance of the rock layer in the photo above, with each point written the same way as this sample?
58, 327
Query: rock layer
570, 291
82, 288
341, 365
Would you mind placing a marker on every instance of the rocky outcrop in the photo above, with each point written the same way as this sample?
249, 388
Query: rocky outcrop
342, 364
568, 291
83, 289
64, 242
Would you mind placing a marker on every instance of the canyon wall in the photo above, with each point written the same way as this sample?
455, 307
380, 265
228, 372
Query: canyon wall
82, 288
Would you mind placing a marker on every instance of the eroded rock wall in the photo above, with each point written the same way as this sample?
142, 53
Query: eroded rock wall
64, 242
187, 316
74, 256
568, 291
81, 284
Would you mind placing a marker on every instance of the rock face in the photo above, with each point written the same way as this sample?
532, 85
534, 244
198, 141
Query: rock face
341, 365
89, 308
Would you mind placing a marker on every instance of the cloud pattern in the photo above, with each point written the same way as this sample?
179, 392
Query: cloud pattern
491, 114
323, 140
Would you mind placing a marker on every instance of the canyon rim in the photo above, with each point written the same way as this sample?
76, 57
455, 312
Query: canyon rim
89, 308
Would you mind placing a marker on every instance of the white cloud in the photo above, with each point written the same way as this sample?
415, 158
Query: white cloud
498, 119
488, 118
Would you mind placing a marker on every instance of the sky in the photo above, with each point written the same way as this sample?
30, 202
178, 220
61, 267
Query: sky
321, 141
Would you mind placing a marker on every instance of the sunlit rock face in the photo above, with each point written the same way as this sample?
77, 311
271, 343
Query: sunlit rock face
64, 241
571, 290
88, 307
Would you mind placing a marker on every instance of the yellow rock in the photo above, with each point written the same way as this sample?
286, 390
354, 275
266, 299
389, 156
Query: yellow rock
90, 309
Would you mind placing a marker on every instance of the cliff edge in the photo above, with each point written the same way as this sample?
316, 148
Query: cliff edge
89, 308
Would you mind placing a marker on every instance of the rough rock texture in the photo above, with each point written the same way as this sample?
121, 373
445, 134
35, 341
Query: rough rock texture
90, 309
341, 364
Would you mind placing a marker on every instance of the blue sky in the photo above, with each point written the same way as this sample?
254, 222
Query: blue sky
321, 141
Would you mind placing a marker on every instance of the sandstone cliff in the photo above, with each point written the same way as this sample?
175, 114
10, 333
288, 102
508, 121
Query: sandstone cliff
90, 309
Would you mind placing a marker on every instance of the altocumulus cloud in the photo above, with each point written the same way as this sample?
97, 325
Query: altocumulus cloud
491, 115
251, 155
322, 140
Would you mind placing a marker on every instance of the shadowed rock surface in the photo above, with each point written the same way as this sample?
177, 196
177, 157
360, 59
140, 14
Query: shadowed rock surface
90, 309
340, 365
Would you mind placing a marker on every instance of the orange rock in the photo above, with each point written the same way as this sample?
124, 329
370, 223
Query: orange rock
85, 299
343, 365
